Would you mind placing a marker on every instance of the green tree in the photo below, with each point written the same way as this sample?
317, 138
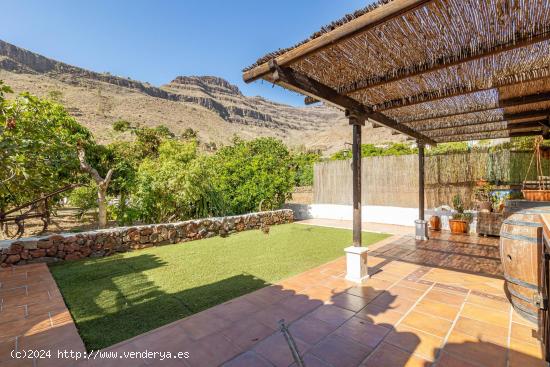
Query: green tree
175, 185
302, 163
253, 175
38, 147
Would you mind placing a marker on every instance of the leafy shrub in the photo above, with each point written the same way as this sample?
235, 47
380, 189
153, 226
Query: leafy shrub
302, 163
253, 175
84, 198
176, 185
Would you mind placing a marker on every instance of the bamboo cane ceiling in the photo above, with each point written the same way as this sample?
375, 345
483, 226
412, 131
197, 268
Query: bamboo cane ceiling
449, 70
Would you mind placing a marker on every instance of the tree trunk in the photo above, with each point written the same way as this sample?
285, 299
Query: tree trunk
102, 185
102, 206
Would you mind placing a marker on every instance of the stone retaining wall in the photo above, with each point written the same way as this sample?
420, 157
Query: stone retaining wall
73, 246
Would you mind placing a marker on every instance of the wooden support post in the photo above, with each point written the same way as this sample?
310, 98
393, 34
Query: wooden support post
356, 169
356, 255
421, 224
420, 181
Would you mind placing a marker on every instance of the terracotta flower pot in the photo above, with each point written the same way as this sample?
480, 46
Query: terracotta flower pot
435, 223
458, 226
481, 182
536, 195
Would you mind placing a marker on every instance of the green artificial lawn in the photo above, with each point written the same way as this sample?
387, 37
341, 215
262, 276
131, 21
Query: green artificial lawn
115, 298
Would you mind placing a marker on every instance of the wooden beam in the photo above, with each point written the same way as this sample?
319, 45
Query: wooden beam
291, 79
485, 128
420, 180
367, 21
310, 100
456, 91
490, 135
506, 117
509, 102
466, 54
356, 173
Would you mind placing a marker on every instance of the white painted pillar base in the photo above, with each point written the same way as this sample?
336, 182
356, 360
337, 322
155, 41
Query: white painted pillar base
356, 264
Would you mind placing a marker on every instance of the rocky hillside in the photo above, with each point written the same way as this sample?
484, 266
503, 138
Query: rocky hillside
211, 105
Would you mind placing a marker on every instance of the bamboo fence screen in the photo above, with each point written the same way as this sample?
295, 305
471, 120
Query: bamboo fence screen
393, 180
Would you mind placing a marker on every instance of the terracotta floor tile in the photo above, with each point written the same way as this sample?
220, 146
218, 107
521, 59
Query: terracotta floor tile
429, 324
276, 350
311, 360
447, 360
389, 355
171, 339
236, 309
475, 351
395, 302
13, 292
417, 342
319, 293
310, 330
293, 284
363, 332
386, 275
211, 350
203, 324
491, 316
525, 354
488, 302
11, 313
6, 349
55, 305
378, 284
332, 315
20, 327
248, 359
524, 333
248, 332
366, 292
338, 285
413, 285
480, 329
271, 315
268, 295
341, 351
409, 293
380, 315
62, 337
300, 303
349, 302
438, 309
439, 295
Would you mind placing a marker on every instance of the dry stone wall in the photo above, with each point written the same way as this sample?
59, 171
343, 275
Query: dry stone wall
73, 246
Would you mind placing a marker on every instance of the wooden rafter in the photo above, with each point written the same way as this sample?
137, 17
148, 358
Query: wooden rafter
506, 117
490, 135
509, 102
291, 79
467, 54
486, 128
458, 90
367, 21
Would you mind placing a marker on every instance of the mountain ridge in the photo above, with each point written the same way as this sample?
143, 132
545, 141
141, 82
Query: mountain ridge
211, 105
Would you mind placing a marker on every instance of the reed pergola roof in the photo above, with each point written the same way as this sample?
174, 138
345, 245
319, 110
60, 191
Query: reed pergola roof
435, 70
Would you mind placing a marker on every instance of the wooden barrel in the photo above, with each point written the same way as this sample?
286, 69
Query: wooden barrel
520, 253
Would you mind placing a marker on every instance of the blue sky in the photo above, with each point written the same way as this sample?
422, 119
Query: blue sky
155, 41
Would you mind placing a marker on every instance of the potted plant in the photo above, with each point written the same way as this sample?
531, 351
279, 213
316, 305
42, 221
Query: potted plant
435, 223
460, 220
483, 196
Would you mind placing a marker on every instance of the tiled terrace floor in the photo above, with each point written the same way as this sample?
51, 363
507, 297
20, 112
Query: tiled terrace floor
424, 305
33, 316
